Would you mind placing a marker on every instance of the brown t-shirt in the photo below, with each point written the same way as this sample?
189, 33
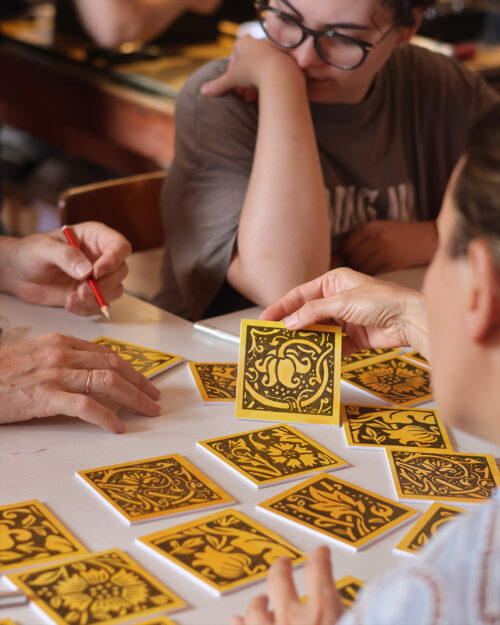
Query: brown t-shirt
387, 157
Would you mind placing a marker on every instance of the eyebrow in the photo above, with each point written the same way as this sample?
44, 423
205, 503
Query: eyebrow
334, 26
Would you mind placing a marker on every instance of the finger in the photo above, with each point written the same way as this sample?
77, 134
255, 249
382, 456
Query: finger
293, 300
218, 86
356, 239
106, 284
257, 612
323, 599
56, 252
107, 248
89, 306
85, 408
326, 311
281, 588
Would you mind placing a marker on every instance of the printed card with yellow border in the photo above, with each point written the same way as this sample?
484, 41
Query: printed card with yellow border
6, 621
394, 379
448, 476
365, 356
161, 620
273, 454
417, 356
291, 376
154, 487
430, 522
345, 513
215, 381
30, 534
348, 588
149, 362
103, 588
375, 426
224, 551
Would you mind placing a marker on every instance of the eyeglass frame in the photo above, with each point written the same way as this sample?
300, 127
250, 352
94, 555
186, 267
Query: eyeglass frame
316, 34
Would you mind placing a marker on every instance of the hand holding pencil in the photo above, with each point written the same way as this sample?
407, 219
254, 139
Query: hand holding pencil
43, 269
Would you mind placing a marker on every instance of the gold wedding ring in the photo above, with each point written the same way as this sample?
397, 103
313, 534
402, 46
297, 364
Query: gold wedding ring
88, 386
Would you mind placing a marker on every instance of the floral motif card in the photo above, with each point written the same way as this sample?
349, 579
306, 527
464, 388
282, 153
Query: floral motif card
348, 514
291, 376
414, 355
448, 476
30, 534
424, 529
103, 588
394, 379
155, 487
273, 454
373, 426
215, 381
348, 588
225, 550
149, 362
365, 356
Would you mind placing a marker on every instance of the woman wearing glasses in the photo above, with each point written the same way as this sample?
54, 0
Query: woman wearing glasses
330, 139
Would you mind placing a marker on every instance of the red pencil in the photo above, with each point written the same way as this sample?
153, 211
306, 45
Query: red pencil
92, 283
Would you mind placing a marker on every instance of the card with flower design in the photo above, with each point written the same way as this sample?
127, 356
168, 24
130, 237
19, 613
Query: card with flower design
31, 534
215, 381
430, 522
414, 355
162, 620
291, 376
273, 454
373, 426
348, 588
394, 379
103, 588
225, 550
442, 475
154, 487
345, 513
149, 362
365, 356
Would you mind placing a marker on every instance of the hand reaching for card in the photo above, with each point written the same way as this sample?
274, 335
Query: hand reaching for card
373, 313
50, 375
323, 605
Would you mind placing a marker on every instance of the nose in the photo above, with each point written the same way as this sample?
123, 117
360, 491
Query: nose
306, 56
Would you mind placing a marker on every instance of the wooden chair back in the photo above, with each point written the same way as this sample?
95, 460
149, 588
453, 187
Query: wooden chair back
130, 205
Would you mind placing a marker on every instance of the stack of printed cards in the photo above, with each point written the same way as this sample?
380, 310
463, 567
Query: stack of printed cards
149, 362
345, 513
215, 381
394, 379
376, 427
273, 454
155, 487
417, 356
289, 376
365, 356
99, 588
447, 476
424, 529
224, 551
30, 534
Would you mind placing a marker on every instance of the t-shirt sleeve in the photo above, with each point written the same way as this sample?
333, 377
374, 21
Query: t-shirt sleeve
204, 193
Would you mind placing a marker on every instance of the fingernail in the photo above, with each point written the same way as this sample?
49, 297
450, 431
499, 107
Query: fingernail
205, 89
292, 322
83, 269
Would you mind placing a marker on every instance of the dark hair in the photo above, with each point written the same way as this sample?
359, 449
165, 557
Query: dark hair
403, 10
477, 188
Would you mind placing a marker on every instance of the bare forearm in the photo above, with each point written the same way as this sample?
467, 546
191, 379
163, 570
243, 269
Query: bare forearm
112, 22
284, 233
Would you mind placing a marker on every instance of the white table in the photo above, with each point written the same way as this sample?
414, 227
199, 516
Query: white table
70, 445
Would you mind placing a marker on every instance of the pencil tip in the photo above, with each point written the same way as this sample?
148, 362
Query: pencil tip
105, 312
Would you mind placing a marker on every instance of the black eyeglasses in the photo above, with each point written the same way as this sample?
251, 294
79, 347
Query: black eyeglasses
334, 48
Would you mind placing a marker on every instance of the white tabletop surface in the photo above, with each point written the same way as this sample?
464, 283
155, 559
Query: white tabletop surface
38, 459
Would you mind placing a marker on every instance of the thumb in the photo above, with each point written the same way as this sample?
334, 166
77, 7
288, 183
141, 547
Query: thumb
70, 260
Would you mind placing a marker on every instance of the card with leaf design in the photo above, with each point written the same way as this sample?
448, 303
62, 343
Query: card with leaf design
30, 534
414, 355
345, 513
394, 379
448, 476
365, 356
375, 426
154, 487
103, 588
273, 454
215, 381
225, 550
430, 522
291, 376
149, 362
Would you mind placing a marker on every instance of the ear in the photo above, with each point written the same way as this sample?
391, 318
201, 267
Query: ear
483, 307
407, 32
